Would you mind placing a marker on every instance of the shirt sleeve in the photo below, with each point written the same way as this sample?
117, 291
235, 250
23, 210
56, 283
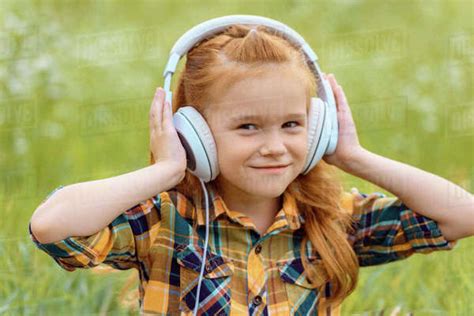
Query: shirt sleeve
121, 244
386, 230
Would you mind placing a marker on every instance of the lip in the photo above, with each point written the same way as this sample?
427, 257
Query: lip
275, 170
272, 166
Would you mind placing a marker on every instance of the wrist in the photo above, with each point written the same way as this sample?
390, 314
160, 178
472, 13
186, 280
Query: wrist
173, 170
355, 161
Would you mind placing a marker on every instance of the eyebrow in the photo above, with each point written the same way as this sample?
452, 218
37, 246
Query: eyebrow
296, 116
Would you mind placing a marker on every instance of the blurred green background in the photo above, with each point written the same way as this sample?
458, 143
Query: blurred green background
76, 83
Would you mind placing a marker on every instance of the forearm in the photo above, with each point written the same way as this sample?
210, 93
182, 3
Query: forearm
82, 209
423, 192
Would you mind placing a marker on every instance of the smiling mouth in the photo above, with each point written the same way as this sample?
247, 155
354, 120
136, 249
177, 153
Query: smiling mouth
271, 169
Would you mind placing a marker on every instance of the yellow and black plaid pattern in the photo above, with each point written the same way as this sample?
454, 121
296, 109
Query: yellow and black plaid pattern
245, 273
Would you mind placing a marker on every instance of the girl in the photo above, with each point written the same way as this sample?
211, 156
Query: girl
280, 242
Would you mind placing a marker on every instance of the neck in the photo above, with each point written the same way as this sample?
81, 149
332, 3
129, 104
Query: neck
258, 208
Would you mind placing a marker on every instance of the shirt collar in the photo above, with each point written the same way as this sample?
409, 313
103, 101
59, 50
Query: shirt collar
287, 215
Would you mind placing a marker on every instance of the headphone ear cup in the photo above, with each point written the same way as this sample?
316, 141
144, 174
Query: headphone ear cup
196, 138
331, 116
317, 133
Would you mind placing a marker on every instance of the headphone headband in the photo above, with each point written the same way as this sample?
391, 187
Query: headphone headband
213, 26
216, 25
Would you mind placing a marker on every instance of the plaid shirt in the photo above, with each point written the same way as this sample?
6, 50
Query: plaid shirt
245, 273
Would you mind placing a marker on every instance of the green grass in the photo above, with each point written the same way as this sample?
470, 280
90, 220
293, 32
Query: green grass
76, 84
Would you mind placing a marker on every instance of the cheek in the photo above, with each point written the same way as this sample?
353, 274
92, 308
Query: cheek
231, 150
300, 146
304, 149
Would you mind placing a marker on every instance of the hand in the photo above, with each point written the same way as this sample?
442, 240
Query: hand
348, 143
165, 144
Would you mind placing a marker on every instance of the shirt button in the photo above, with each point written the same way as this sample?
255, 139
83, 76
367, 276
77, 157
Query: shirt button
258, 249
257, 300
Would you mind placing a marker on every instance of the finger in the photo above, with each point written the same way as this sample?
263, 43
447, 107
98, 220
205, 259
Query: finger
336, 87
156, 110
330, 78
332, 83
343, 100
167, 118
161, 97
153, 104
337, 95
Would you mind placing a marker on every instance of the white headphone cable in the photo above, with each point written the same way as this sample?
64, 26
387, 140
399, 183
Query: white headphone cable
205, 248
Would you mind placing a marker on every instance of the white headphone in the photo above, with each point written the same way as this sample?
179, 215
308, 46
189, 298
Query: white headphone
195, 134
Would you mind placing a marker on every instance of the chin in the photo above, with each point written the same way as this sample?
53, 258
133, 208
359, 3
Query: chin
270, 195
267, 190
252, 184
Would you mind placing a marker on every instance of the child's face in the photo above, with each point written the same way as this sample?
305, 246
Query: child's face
274, 137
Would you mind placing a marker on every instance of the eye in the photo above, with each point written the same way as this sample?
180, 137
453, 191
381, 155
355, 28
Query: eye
294, 122
240, 127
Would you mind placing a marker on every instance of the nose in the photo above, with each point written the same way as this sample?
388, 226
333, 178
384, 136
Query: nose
273, 144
